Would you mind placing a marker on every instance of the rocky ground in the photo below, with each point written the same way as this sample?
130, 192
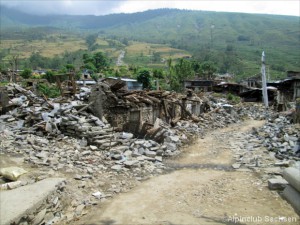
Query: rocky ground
100, 163
202, 187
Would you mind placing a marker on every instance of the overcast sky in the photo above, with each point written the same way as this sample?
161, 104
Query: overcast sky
96, 7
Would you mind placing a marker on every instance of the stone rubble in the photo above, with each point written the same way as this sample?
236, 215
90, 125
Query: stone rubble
62, 136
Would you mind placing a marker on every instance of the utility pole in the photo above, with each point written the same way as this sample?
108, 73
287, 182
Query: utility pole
211, 34
264, 82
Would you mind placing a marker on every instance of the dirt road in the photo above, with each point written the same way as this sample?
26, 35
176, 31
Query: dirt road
202, 189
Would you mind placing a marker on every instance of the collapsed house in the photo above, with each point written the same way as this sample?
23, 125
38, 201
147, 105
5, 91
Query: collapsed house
229, 87
199, 84
288, 89
138, 111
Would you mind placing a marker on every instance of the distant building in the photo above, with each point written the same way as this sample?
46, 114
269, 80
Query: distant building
288, 89
232, 88
39, 72
86, 82
293, 74
128, 84
225, 76
199, 85
253, 82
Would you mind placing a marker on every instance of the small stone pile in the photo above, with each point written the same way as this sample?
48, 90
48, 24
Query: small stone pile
281, 137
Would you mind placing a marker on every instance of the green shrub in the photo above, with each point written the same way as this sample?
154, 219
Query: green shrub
26, 73
49, 91
49, 76
233, 98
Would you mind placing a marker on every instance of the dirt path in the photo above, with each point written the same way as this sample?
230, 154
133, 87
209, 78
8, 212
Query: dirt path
203, 189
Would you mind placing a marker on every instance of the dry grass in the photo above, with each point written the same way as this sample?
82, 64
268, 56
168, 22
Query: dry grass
45, 48
138, 48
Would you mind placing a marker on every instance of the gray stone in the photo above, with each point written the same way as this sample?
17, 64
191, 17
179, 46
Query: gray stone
84, 153
117, 156
93, 147
163, 147
120, 148
125, 135
116, 167
130, 163
273, 170
87, 176
42, 155
158, 158
141, 151
100, 142
135, 153
147, 144
152, 159
172, 138
109, 144
90, 170
79, 209
282, 163
139, 142
236, 165
150, 154
159, 152
154, 149
39, 217
277, 183
16, 203
83, 142
171, 146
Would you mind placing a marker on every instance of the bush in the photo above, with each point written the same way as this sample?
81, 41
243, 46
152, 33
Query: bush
233, 98
26, 73
49, 76
144, 77
49, 91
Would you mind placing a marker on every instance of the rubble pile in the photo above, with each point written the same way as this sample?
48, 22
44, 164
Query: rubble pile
281, 137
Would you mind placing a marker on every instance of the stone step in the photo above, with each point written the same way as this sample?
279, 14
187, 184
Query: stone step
17, 203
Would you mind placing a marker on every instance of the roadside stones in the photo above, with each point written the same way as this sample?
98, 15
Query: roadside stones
93, 147
281, 137
77, 142
116, 167
236, 165
277, 183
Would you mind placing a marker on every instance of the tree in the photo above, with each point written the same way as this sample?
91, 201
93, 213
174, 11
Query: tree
70, 67
208, 69
156, 57
101, 61
91, 40
50, 76
26, 73
37, 60
90, 67
170, 67
158, 74
144, 77
96, 62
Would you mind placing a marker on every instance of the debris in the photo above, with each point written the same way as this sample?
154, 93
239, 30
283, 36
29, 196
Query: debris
277, 183
12, 173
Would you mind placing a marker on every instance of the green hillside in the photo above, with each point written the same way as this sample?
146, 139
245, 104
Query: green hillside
225, 38
233, 41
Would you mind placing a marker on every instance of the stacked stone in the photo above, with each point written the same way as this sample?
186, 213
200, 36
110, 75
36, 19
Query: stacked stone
51, 210
87, 127
282, 138
133, 153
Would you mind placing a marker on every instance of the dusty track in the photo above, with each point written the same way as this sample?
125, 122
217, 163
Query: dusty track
202, 189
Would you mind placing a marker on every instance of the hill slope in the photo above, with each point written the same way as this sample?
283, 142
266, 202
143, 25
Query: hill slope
234, 41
